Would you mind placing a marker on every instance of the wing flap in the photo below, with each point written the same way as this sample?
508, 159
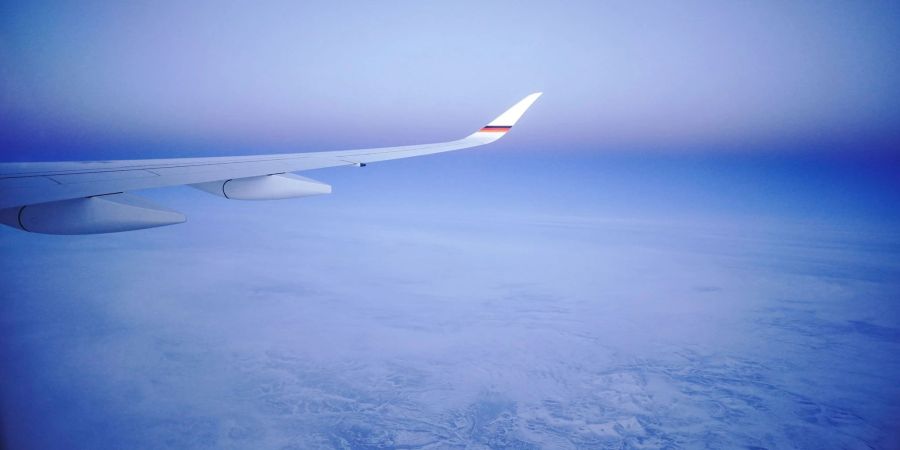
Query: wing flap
101, 176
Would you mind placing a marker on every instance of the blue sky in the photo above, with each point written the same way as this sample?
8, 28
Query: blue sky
746, 108
163, 78
689, 240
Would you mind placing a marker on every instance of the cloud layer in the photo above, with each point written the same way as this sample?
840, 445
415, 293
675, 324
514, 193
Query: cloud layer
364, 330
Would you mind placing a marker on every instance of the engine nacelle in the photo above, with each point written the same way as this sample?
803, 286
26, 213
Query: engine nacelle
266, 187
102, 214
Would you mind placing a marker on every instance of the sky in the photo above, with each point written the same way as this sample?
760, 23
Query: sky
796, 105
206, 77
689, 240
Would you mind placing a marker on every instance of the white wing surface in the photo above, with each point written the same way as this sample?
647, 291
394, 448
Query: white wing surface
88, 197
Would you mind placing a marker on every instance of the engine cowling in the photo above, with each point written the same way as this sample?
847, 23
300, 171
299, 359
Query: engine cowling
266, 187
102, 214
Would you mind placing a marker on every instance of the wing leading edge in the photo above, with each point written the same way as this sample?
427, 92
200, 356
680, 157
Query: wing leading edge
73, 185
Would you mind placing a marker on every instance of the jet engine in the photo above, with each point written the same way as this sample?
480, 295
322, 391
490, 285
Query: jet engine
91, 215
266, 187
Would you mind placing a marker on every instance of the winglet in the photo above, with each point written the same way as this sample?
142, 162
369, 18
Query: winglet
503, 123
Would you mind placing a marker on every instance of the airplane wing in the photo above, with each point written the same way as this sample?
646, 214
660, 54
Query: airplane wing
91, 197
